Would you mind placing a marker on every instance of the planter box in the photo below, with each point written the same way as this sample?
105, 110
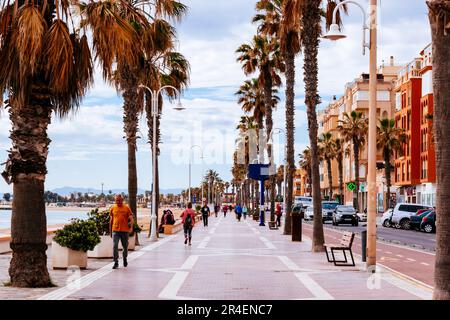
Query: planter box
63, 257
131, 243
104, 249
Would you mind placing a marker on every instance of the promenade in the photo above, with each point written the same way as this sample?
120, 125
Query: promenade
228, 260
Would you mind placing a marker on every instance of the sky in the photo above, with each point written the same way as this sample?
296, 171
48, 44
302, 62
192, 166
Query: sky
88, 147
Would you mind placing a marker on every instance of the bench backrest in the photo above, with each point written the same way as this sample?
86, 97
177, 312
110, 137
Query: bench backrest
347, 239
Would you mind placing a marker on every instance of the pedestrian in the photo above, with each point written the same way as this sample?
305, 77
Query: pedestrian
188, 220
205, 214
216, 209
121, 223
225, 209
238, 211
278, 214
244, 211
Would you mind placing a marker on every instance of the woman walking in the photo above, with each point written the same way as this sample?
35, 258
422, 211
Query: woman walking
188, 220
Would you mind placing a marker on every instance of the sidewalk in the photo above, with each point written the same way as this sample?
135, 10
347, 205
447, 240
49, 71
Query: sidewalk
228, 260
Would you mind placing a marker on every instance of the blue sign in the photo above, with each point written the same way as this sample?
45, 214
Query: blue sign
258, 171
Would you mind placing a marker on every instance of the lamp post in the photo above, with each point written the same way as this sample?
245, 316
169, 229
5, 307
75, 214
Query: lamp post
154, 103
285, 167
201, 149
335, 34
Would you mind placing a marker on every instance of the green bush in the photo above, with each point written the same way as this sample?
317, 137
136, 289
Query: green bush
101, 220
198, 208
80, 235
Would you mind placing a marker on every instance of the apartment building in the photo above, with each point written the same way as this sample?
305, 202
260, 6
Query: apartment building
302, 185
415, 167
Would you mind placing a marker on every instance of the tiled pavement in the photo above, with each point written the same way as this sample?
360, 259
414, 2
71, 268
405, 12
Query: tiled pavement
233, 260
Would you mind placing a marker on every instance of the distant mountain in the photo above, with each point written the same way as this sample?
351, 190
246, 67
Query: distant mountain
66, 191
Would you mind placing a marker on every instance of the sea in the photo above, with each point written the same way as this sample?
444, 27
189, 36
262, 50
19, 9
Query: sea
53, 217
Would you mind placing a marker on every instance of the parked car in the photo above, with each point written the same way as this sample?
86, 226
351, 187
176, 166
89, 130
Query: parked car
304, 201
386, 219
362, 216
403, 212
429, 222
416, 220
328, 208
309, 213
345, 214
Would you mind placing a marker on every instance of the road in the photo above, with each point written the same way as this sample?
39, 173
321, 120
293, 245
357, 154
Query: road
411, 238
410, 262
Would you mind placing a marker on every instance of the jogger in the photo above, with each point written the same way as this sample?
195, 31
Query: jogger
188, 220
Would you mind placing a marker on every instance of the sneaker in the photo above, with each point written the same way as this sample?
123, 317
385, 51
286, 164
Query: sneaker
116, 265
125, 263
185, 240
189, 243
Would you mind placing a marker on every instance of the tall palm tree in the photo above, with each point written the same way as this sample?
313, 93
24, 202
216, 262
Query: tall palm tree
46, 65
305, 162
327, 144
353, 128
439, 13
280, 179
390, 140
339, 153
264, 55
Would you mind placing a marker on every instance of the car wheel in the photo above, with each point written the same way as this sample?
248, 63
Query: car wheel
397, 226
405, 224
428, 228
386, 223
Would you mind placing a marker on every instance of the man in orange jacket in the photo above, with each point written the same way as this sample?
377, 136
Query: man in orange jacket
121, 223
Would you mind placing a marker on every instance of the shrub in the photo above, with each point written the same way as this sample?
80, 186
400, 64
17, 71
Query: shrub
80, 235
198, 208
101, 220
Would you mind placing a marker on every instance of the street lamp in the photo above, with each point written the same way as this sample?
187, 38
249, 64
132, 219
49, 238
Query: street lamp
285, 165
154, 103
201, 149
335, 34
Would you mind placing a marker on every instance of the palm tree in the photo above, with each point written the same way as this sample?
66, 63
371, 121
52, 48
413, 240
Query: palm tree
390, 140
339, 153
353, 128
305, 162
264, 55
439, 13
280, 179
46, 65
327, 145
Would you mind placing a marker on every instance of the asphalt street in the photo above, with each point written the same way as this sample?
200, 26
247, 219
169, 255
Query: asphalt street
411, 238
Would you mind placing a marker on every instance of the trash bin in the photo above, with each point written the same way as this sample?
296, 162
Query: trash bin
297, 225
363, 245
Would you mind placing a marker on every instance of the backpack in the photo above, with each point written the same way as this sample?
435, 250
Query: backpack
188, 220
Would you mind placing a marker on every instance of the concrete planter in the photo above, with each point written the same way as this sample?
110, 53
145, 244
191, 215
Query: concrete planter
131, 243
63, 257
104, 249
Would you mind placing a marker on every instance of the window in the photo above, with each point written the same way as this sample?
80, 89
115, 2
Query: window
383, 96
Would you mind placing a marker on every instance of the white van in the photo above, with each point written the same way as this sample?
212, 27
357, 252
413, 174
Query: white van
403, 212
304, 201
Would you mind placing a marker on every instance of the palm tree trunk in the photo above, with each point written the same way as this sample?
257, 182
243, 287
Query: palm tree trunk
356, 162
26, 169
310, 35
439, 13
330, 179
341, 180
387, 170
290, 130
130, 120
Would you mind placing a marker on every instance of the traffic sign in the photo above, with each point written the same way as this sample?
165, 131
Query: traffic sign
351, 186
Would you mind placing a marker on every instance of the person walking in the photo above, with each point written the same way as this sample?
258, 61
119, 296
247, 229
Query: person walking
205, 214
188, 221
238, 211
121, 223
278, 214
244, 211
216, 209
225, 209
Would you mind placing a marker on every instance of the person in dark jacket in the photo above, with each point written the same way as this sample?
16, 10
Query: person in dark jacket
188, 221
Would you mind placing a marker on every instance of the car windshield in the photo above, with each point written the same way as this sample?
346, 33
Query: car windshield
346, 208
329, 205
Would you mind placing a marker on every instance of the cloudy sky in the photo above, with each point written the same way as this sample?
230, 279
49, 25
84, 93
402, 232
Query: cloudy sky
88, 148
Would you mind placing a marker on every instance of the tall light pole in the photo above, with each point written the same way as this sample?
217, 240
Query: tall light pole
285, 165
335, 34
154, 103
201, 149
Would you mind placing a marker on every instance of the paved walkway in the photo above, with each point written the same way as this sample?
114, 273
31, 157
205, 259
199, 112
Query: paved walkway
235, 260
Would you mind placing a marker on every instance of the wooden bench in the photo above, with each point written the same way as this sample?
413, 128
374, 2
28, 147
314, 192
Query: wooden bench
345, 245
173, 228
273, 225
